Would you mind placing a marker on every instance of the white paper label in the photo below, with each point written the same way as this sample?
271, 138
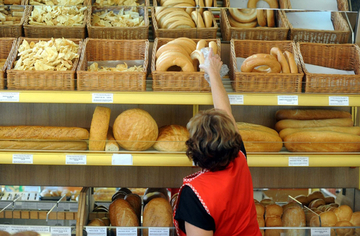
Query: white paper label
157, 231
298, 161
320, 232
6, 228
288, 100
45, 206
126, 231
39, 229
9, 97
122, 159
22, 159
96, 231
102, 97
76, 159
236, 99
60, 231
339, 101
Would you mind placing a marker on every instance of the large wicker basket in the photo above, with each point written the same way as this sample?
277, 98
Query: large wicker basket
194, 33
337, 56
40, 80
15, 30
6, 47
145, 3
174, 80
343, 5
141, 32
46, 31
280, 32
113, 50
263, 82
340, 34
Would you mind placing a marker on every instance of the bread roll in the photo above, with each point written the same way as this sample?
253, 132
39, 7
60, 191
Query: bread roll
309, 214
122, 214
298, 114
267, 201
355, 221
290, 123
157, 213
43, 132
135, 130
273, 210
172, 138
260, 210
343, 213
99, 128
261, 221
111, 144
328, 219
344, 232
294, 217
43, 145
322, 141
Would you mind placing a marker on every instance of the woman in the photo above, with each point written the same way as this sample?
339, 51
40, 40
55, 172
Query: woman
218, 200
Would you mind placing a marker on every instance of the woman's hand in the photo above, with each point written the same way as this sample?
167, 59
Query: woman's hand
212, 64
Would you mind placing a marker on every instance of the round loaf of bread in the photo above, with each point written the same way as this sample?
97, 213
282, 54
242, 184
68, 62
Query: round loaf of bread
99, 128
328, 219
157, 213
172, 138
345, 231
294, 216
355, 221
121, 213
343, 213
135, 130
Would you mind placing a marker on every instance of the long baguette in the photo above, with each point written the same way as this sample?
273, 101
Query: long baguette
45, 145
111, 144
244, 125
322, 141
298, 114
290, 123
260, 141
43, 132
348, 130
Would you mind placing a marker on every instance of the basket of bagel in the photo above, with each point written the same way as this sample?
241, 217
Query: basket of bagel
342, 5
265, 66
178, 18
6, 46
174, 64
254, 24
330, 68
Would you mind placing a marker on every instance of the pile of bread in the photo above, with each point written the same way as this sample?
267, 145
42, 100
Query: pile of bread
102, 3
122, 67
11, 15
57, 15
184, 53
122, 18
275, 62
57, 2
59, 193
318, 131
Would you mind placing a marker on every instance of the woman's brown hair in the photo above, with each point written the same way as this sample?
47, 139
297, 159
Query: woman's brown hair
214, 141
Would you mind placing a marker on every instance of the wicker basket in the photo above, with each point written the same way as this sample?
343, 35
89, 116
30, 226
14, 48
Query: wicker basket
14, 30
40, 80
46, 31
280, 32
343, 5
141, 32
145, 2
194, 33
112, 50
263, 82
86, 2
178, 81
341, 33
337, 56
6, 47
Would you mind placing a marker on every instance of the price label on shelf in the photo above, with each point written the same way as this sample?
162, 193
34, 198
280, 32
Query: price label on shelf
288, 100
75, 159
60, 231
157, 231
96, 231
338, 101
102, 98
320, 232
236, 99
22, 159
9, 97
38, 229
298, 161
126, 231
6, 228
122, 159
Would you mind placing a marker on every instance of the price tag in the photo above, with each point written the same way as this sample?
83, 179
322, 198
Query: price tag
6, 228
22, 159
127, 231
75, 159
45, 206
18, 205
39, 229
320, 232
288, 100
157, 231
9, 97
122, 159
236, 99
96, 231
4, 204
102, 98
31, 206
338, 101
60, 231
298, 161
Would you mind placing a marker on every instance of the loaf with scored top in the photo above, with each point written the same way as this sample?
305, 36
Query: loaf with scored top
290, 123
316, 114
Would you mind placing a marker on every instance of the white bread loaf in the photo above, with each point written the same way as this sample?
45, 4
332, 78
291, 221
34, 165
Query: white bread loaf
348, 130
291, 123
44, 145
294, 217
121, 213
316, 114
172, 138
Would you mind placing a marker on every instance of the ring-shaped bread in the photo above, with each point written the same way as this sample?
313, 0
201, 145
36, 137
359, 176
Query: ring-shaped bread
243, 15
291, 61
259, 60
276, 52
169, 59
272, 3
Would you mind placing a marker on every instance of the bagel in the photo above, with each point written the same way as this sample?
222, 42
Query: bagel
174, 14
171, 47
197, 18
236, 24
183, 23
243, 15
208, 19
291, 61
168, 59
170, 3
171, 20
270, 19
261, 17
186, 43
276, 52
164, 11
261, 69
261, 59
198, 56
201, 44
214, 46
272, 3
209, 3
